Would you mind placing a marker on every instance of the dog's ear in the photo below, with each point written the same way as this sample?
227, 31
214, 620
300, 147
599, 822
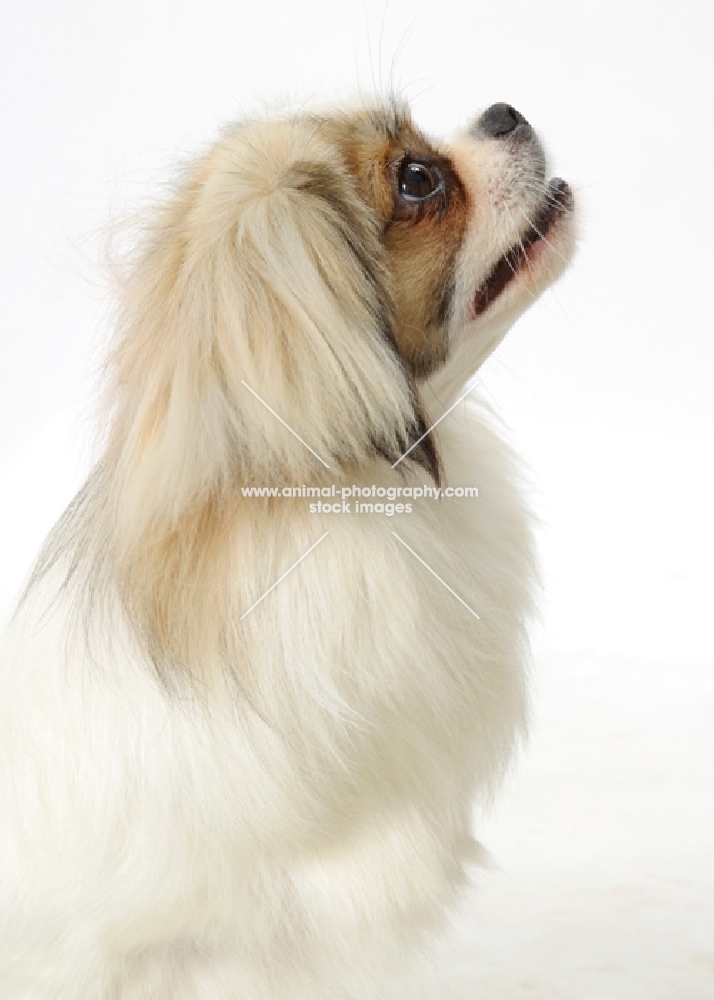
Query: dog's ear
260, 314
319, 316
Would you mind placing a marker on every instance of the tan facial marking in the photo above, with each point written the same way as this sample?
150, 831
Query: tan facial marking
422, 241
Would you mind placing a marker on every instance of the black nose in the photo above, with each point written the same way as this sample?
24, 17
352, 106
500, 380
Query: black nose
502, 120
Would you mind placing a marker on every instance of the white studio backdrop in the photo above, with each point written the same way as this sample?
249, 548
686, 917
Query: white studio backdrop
606, 383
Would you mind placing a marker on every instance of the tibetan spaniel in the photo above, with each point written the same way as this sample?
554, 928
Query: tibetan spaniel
241, 735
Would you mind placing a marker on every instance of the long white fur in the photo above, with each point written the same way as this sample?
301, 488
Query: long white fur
293, 827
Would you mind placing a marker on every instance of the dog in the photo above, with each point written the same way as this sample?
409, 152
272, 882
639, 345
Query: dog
242, 734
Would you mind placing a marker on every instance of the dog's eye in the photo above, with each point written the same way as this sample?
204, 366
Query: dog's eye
418, 181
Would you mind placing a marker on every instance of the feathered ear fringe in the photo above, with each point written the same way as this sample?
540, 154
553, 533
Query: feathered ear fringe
263, 287
265, 277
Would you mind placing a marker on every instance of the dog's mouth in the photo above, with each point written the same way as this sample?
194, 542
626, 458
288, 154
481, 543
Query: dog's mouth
557, 201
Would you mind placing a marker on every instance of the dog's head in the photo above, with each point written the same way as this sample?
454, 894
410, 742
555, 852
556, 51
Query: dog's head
322, 267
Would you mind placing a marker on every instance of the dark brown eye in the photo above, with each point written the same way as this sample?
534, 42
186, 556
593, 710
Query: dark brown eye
418, 181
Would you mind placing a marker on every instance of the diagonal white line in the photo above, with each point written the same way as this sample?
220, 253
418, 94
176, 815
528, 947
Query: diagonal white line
437, 577
470, 389
283, 423
280, 579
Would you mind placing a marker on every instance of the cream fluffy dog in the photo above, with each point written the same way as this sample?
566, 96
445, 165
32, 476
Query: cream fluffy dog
212, 786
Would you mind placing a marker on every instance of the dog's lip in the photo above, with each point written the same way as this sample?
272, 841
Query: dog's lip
557, 200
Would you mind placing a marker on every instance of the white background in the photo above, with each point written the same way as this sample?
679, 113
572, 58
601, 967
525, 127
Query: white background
604, 841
